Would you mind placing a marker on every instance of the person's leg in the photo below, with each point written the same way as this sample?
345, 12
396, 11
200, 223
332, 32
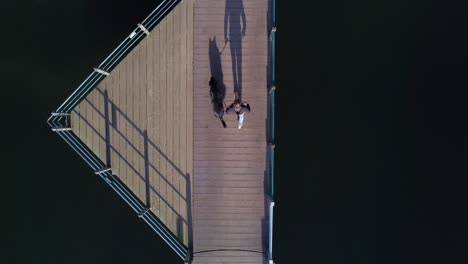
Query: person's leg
240, 119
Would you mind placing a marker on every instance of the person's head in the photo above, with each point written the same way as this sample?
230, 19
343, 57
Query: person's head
237, 102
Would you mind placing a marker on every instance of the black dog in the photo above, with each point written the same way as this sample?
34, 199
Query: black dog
217, 101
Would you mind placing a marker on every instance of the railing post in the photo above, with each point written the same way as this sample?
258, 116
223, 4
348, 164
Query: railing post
143, 212
101, 71
101, 171
60, 114
188, 257
143, 28
270, 245
59, 129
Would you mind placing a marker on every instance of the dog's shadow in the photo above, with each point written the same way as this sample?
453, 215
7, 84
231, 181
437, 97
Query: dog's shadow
217, 87
217, 98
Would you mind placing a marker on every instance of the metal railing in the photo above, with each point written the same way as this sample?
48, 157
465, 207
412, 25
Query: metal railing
59, 122
108, 64
272, 129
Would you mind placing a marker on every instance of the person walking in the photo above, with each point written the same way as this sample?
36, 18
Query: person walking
239, 108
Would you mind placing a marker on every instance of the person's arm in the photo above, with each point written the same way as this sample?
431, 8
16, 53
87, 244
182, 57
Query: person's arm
230, 110
245, 109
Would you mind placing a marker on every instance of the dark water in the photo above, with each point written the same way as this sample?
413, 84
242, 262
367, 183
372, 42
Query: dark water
371, 130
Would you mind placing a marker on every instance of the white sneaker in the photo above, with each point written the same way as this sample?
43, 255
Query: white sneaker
240, 126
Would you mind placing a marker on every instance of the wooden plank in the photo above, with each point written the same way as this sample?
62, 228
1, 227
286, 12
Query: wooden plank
183, 91
232, 131
181, 113
93, 98
176, 102
183, 116
222, 137
157, 116
142, 116
133, 134
151, 118
85, 118
201, 74
237, 204
110, 90
231, 151
230, 259
90, 121
81, 113
75, 120
147, 76
228, 223
137, 121
190, 103
228, 157
140, 108
228, 230
114, 140
122, 123
102, 120
230, 190
170, 113
163, 113
222, 235
250, 11
95, 122
128, 117
252, 244
201, 4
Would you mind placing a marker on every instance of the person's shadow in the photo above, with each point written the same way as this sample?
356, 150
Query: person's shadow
233, 33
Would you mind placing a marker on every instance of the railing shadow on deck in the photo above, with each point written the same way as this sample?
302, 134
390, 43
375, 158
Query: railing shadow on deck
180, 221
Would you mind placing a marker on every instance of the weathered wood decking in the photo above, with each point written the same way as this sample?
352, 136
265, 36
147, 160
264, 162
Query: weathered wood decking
230, 165
139, 120
151, 122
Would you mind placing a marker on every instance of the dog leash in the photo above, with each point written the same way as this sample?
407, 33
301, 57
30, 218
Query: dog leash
223, 48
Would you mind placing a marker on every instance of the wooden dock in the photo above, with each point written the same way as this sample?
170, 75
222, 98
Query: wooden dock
139, 119
150, 121
230, 165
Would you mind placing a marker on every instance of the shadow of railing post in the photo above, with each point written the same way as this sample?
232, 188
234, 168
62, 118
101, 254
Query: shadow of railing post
146, 159
189, 215
107, 129
144, 154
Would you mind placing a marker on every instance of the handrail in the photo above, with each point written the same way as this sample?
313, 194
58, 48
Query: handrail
124, 192
88, 156
272, 129
116, 55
